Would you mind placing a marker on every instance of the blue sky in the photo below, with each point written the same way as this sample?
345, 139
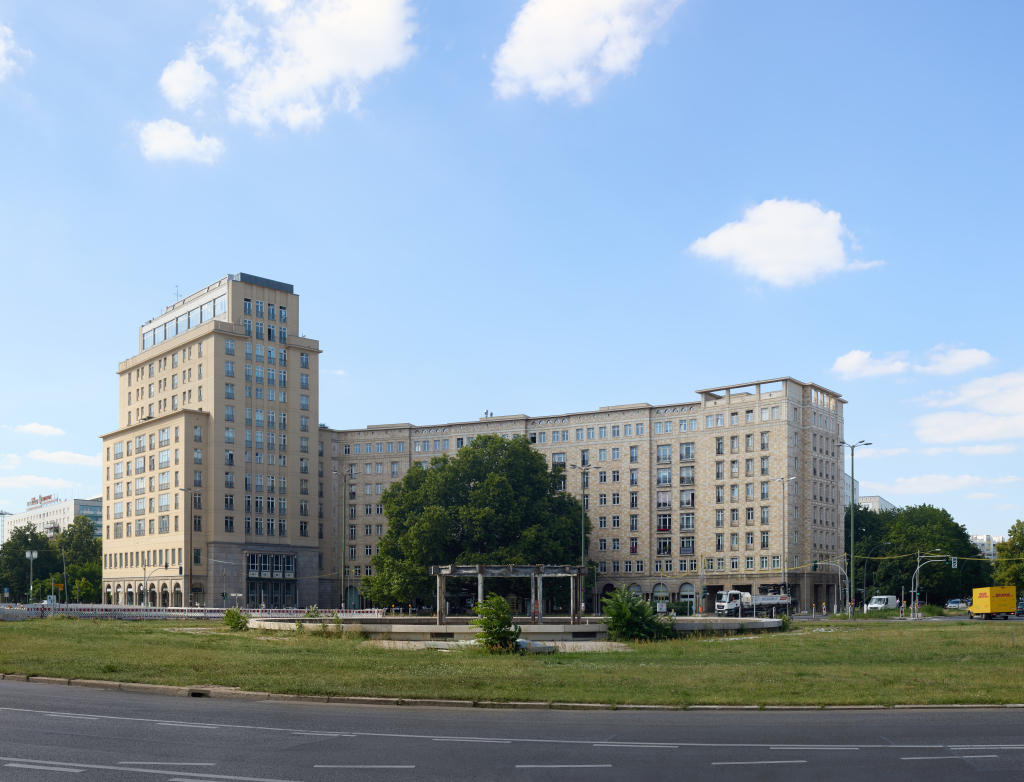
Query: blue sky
531, 207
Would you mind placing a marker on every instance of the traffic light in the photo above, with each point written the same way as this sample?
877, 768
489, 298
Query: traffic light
954, 563
703, 591
814, 565
224, 595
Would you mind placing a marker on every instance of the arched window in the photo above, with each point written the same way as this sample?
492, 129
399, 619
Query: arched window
687, 598
660, 593
636, 590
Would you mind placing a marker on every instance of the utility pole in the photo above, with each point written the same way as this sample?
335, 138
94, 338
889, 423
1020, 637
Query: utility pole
31, 556
853, 505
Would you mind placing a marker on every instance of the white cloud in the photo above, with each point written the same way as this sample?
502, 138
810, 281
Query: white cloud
877, 453
319, 56
9, 461
936, 451
185, 81
933, 484
782, 242
33, 482
169, 140
65, 457
10, 53
987, 450
859, 364
572, 47
42, 429
997, 402
947, 360
981, 495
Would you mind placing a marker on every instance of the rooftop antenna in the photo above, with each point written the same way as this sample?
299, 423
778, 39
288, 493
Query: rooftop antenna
177, 296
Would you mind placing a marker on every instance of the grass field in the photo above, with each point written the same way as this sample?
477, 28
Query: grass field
816, 663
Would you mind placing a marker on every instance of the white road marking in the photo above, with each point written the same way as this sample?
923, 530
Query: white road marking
314, 733
754, 762
364, 766
639, 746
950, 757
186, 725
801, 749
160, 763
986, 746
71, 716
44, 768
479, 741
595, 765
204, 776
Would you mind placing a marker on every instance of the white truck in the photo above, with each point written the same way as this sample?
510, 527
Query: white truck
729, 603
883, 602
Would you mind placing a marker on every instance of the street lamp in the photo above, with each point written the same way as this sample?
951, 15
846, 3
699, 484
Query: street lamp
785, 561
864, 589
585, 471
31, 556
344, 543
853, 504
145, 580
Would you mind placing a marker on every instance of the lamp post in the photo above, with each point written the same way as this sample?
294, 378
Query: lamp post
785, 533
344, 545
31, 556
145, 580
584, 472
864, 589
853, 505
191, 522
915, 579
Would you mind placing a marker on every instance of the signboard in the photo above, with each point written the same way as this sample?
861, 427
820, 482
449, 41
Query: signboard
40, 500
662, 607
954, 563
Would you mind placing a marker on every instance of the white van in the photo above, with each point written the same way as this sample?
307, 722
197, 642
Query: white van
882, 602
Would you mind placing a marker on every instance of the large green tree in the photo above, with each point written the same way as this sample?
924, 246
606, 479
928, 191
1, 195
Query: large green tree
495, 502
909, 530
1010, 559
14, 568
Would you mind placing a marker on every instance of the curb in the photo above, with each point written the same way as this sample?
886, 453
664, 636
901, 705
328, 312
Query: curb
228, 693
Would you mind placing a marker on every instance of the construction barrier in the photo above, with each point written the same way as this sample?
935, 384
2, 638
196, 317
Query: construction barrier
14, 612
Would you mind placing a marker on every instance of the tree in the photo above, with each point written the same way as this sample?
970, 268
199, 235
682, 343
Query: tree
920, 528
1010, 559
495, 502
79, 543
631, 618
14, 568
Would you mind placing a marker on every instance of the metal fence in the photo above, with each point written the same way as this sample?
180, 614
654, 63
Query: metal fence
14, 612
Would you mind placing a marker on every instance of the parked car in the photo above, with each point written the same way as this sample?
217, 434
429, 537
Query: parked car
957, 603
882, 602
1020, 608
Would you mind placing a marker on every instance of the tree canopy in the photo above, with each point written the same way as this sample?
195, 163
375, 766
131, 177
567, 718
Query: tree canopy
82, 551
1010, 559
494, 502
907, 531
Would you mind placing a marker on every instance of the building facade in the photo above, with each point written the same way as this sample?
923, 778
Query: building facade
875, 503
851, 488
50, 515
680, 497
206, 478
987, 544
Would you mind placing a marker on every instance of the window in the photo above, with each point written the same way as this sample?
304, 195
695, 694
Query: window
720, 494
303, 402
764, 490
634, 453
765, 515
764, 441
664, 522
687, 499
664, 453
719, 446
664, 476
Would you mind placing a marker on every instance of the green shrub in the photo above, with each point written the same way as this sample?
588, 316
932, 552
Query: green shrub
497, 633
236, 620
631, 618
786, 622
312, 611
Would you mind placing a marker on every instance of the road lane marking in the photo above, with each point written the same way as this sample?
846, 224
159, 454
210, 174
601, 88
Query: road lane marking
44, 768
593, 765
950, 757
754, 762
186, 725
480, 741
364, 766
204, 776
361, 734
70, 716
315, 733
639, 746
160, 763
801, 749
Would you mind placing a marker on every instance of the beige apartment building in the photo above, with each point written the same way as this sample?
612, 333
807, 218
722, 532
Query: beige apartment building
207, 476
680, 497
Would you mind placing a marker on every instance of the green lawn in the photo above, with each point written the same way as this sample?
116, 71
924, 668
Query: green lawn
816, 663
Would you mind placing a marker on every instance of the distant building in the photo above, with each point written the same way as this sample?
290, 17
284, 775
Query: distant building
50, 515
847, 480
876, 503
987, 543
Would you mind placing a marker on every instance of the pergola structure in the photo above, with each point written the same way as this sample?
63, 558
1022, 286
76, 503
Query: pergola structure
536, 573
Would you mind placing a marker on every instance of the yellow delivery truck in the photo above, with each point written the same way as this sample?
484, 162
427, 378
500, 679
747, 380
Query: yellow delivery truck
993, 603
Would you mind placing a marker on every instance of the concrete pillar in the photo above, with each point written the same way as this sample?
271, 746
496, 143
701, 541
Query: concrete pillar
479, 583
540, 597
440, 599
533, 598
572, 600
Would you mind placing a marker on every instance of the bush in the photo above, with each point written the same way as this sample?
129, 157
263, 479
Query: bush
312, 611
497, 633
786, 622
631, 618
236, 620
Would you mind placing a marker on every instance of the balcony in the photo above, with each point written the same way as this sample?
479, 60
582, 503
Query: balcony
632, 549
663, 505
686, 481
685, 551
749, 547
734, 547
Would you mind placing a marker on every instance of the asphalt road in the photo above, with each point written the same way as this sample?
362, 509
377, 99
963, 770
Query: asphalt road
52, 732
